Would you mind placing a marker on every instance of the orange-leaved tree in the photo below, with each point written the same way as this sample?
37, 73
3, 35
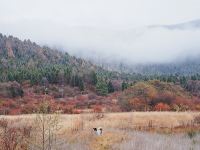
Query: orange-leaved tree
161, 107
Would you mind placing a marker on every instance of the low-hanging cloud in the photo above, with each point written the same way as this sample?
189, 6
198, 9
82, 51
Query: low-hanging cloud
107, 34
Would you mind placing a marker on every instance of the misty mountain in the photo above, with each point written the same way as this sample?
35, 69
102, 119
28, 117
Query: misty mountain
182, 66
186, 67
182, 62
16, 53
194, 24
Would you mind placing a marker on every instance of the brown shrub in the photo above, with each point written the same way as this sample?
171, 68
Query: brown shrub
197, 120
10, 89
13, 137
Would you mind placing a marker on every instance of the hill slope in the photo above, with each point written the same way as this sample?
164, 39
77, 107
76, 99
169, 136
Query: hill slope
25, 60
156, 95
29, 54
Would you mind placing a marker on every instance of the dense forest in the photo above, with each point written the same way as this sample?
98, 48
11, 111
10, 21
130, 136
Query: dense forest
28, 72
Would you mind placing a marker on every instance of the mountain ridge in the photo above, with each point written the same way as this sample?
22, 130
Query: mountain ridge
193, 24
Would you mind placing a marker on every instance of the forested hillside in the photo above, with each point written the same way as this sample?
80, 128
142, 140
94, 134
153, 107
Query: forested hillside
25, 60
186, 67
30, 74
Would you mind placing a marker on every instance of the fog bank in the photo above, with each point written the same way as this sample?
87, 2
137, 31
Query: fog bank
135, 31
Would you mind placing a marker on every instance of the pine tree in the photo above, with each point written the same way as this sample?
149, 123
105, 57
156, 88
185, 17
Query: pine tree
183, 81
110, 87
94, 78
81, 85
193, 77
124, 86
101, 88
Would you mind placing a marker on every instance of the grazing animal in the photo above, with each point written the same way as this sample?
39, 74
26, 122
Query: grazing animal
98, 131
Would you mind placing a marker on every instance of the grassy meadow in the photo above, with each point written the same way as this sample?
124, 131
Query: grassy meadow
121, 131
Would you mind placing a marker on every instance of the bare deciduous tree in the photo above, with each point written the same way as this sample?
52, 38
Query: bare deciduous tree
46, 127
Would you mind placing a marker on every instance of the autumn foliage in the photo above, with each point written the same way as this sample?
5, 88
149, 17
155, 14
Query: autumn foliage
157, 96
161, 107
142, 96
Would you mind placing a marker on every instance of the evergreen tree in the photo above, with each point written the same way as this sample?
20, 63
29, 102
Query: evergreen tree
124, 86
169, 79
101, 88
193, 77
94, 78
81, 85
110, 87
183, 81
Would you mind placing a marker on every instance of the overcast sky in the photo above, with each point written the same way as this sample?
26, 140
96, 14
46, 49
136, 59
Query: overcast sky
106, 28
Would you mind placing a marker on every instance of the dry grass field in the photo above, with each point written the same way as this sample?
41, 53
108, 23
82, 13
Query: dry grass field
121, 131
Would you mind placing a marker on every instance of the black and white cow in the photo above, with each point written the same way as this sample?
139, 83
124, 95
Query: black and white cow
98, 131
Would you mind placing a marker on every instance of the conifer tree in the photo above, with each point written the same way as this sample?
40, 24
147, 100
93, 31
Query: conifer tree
110, 87
101, 87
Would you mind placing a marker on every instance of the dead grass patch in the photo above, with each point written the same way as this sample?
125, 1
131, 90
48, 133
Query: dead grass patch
106, 141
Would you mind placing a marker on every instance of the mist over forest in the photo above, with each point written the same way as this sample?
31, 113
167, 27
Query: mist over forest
90, 54
109, 32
